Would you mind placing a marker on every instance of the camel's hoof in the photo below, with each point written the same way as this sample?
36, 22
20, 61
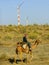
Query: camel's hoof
25, 60
18, 60
11, 60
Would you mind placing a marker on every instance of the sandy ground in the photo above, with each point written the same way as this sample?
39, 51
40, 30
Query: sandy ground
40, 55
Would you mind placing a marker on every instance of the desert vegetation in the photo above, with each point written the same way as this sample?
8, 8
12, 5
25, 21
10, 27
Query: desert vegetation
11, 34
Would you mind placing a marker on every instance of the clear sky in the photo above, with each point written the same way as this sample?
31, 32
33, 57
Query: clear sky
37, 11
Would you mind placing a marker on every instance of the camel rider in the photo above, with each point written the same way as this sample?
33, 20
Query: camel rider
25, 40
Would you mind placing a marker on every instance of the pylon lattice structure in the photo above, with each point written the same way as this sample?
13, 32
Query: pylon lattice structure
18, 15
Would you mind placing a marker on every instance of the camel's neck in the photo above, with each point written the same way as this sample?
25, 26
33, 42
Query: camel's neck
35, 44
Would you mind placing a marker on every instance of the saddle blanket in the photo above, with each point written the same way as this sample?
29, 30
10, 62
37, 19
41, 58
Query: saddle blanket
24, 46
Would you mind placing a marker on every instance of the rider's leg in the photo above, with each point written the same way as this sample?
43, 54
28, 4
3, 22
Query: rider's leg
29, 45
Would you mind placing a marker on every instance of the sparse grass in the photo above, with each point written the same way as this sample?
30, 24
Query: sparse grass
11, 34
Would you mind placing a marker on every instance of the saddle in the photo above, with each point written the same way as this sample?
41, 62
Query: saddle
22, 44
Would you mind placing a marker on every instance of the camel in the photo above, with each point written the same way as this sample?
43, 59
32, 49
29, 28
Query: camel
22, 47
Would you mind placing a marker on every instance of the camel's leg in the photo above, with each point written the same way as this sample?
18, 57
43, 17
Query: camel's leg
20, 54
29, 57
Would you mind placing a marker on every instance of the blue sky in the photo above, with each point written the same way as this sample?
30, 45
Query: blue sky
37, 11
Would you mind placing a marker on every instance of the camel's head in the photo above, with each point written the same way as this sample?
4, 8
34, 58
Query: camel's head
37, 41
